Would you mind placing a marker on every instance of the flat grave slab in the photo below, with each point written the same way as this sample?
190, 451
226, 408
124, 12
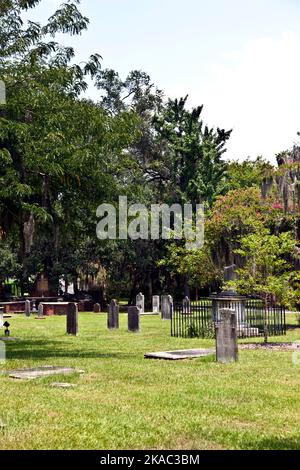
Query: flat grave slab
63, 385
180, 355
9, 338
145, 314
47, 371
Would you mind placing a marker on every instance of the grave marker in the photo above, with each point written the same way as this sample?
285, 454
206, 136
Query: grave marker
134, 319
226, 337
166, 307
140, 302
113, 316
72, 319
97, 308
27, 308
155, 304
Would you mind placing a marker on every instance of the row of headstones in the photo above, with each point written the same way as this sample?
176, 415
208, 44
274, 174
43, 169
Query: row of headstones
167, 305
112, 318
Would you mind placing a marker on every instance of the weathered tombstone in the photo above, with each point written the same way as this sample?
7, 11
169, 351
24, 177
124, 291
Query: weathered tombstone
140, 302
1, 317
72, 319
41, 311
134, 319
155, 304
186, 306
113, 316
27, 308
166, 307
34, 309
226, 337
97, 308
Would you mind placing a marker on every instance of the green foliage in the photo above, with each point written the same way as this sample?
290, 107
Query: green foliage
248, 173
267, 270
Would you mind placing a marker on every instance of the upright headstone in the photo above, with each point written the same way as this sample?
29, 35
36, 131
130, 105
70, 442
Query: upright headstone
28, 308
166, 307
113, 316
226, 337
72, 319
97, 308
41, 311
134, 319
186, 306
140, 302
1, 317
155, 304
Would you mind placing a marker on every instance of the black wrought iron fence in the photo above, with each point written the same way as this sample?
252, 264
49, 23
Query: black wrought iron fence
254, 318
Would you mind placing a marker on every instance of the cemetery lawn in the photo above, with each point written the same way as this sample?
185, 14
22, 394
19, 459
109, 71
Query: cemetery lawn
126, 402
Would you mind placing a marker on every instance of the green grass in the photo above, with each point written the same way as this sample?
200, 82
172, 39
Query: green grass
125, 402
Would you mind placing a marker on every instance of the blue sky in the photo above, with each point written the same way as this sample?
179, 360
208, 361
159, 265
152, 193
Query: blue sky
238, 58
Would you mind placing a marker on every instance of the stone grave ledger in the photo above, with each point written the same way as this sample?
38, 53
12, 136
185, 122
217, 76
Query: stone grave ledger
134, 319
226, 337
155, 304
72, 319
140, 302
12, 307
113, 316
166, 307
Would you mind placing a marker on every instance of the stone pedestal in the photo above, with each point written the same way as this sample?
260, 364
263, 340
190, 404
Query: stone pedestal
226, 337
72, 319
113, 316
134, 319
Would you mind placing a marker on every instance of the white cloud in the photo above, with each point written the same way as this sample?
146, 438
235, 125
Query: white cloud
257, 92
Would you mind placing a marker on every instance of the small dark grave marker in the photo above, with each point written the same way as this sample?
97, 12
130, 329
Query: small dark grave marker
72, 319
97, 308
113, 316
134, 319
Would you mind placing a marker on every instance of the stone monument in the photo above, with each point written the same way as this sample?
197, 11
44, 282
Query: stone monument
226, 337
166, 307
140, 302
72, 319
134, 319
113, 316
155, 304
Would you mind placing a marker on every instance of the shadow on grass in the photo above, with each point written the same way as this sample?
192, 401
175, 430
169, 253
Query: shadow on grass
56, 349
279, 443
